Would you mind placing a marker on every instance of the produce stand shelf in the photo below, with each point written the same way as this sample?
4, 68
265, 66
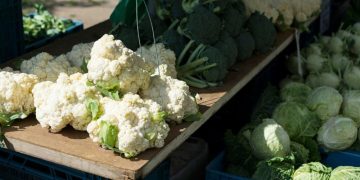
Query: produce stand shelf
75, 149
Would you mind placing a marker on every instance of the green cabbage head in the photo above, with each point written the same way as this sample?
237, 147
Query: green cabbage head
295, 91
338, 133
312, 171
296, 119
345, 173
351, 105
325, 102
269, 140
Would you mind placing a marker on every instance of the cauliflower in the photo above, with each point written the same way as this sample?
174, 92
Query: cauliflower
162, 60
262, 7
15, 94
173, 95
79, 54
64, 102
114, 65
46, 67
131, 125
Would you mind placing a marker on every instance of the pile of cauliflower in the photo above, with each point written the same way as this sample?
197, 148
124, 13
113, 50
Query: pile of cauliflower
285, 13
123, 99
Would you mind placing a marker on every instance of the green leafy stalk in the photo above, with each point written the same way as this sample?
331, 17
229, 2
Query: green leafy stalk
93, 106
5, 121
193, 117
108, 134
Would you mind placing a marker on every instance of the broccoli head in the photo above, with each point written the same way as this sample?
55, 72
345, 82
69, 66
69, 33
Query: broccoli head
245, 44
227, 45
234, 21
263, 31
203, 26
214, 55
174, 41
128, 36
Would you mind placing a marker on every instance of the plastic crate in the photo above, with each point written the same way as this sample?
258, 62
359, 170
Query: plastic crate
77, 26
215, 171
11, 30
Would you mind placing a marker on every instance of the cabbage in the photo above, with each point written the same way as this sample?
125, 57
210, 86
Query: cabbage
345, 173
324, 40
292, 64
277, 168
315, 63
314, 48
294, 91
300, 152
356, 28
351, 105
312, 171
355, 45
269, 140
290, 79
339, 62
323, 79
325, 102
296, 119
338, 133
352, 77
335, 45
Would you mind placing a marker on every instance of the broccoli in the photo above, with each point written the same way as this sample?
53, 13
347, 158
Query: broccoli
128, 36
245, 44
146, 31
263, 31
174, 41
233, 21
202, 25
227, 45
214, 55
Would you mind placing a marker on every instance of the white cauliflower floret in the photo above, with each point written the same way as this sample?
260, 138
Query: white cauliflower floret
79, 54
162, 60
173, 95
111, 62
15, 93
64, 102
140, 125
46, 67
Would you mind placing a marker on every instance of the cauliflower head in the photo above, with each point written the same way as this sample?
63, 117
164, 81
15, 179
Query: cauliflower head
111, 63
15, 94
131, 125
46, 67
64, 102
161, 60
79, 54
173, 95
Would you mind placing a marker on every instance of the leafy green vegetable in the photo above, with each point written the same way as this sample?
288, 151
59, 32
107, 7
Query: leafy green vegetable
329, 79
5, 121
109, 89
93, 106
193, 117
300, 152
296, 119
338, 133
108, 133
351, 105
325, 102
159, 117
312, 171
345, 173
269, 140
352, 77
128, 35
277, 168
246, 45
296, 92
263, 31
43, 24
312, 146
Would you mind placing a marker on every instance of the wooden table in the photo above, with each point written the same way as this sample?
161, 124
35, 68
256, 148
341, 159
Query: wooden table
75, 149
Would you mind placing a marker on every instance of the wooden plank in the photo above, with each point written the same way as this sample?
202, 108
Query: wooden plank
75, 149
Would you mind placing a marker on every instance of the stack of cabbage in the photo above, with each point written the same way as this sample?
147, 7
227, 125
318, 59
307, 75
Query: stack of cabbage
208, 37
125, 100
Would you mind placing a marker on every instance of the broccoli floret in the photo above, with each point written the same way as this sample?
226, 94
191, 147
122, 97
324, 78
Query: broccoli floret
128, 36
202, 26
214, 55
227, 45
233, 21
263, 31
174, 41
245, 44
145, 29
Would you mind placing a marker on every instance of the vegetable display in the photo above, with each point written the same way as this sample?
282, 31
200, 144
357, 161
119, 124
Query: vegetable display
208, 37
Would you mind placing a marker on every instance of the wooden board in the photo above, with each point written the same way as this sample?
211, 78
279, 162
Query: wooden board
74, 149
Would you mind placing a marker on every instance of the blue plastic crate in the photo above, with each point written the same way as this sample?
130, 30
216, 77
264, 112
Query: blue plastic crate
11, 29
215, 171
77, 26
